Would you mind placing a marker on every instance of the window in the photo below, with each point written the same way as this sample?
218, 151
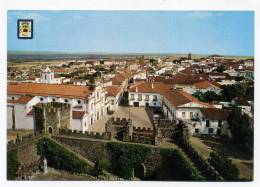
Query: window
139, 97
97, 95
154, 104
191, 114
132, 97
41, 99
210, 130
79, 101
183, 114
112, 101
219, 123
66, 100
196, 130
85, 124
147, 97
53, 100
207, 123
45, 77
12, 98
154, 97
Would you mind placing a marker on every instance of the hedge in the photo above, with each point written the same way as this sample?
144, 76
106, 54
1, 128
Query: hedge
224, 166
12, 164
125, 157
175, 166
60, 158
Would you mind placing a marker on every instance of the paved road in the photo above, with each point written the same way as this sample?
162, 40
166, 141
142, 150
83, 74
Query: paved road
139, 116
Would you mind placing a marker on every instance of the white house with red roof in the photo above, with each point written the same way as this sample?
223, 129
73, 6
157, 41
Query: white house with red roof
87, 103
203, 86
176, 105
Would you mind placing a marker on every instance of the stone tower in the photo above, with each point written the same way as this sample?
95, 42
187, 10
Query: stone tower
50, 117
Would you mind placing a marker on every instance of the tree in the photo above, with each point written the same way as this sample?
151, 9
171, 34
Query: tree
199, 95
232, 91
241, 130
208, 96
224, 166
220, 69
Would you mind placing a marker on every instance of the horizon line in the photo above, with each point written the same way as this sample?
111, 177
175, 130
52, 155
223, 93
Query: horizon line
119, 53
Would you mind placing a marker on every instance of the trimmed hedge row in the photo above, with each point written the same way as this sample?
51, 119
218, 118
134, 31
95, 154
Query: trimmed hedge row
12, 164
60, 158
125, 157
175, 166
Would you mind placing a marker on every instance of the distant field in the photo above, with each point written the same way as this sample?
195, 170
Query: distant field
48, 57
35, 63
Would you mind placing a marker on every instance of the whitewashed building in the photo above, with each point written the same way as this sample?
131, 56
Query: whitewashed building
211, 121
87, 103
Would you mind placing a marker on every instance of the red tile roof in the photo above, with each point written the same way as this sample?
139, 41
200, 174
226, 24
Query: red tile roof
175, 97
205, 84
59, 70
113, 90
21, 100
24, 99
57, 90
78, 114
146, 87
30, 113
214, 113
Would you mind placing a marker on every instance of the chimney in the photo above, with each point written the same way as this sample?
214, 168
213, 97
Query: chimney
152, 85
136, 89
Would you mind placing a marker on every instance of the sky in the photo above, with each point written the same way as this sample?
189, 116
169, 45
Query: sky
198, 32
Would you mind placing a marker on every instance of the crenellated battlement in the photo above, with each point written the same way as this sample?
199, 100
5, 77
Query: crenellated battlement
143, 130
86, 134
49, 117
52, 107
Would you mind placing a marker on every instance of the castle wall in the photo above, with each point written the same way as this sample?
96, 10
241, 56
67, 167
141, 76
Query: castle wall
51, 116
97, 149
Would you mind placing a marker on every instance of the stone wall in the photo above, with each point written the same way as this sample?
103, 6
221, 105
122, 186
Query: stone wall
26, 147
124, 130
49, 117
29, 160
95, 150
86, 134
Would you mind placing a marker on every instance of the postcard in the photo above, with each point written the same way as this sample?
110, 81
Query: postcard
130, 95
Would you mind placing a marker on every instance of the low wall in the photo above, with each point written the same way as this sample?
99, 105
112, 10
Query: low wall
21, 140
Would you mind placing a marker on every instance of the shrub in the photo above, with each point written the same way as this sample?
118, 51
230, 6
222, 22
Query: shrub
224, 166
176, 166
60, 158
12, 164
125, 157
100, 165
